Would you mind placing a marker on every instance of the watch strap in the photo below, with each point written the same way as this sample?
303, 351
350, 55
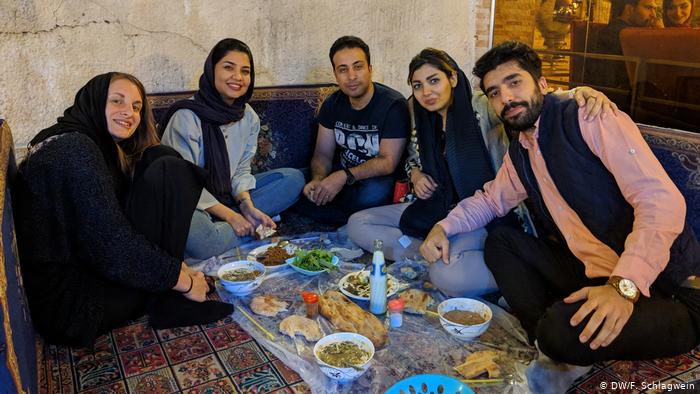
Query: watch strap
350, 177
614, 281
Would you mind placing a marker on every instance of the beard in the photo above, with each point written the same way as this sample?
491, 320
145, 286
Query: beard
526, 119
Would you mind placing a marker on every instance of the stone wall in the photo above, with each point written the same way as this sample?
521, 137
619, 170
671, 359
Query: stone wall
49, 48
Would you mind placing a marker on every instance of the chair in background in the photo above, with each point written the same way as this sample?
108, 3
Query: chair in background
667, 75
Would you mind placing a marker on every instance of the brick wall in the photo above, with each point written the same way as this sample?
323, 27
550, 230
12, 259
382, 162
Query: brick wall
482, 8
515, 20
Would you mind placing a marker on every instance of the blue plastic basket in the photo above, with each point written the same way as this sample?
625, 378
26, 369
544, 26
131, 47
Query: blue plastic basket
425, 384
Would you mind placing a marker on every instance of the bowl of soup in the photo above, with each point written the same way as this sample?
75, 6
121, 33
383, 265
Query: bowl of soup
241, 277
464, 318
344, 356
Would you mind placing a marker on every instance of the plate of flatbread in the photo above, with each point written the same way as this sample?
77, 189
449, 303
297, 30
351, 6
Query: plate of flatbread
356, 285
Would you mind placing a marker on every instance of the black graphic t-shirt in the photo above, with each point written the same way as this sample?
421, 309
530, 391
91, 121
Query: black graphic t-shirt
358, 132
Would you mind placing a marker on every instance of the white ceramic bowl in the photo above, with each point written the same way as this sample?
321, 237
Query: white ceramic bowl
344, 374
460, 331
243, 287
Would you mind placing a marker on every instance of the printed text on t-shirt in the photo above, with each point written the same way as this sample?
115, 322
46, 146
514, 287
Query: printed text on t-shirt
360, 142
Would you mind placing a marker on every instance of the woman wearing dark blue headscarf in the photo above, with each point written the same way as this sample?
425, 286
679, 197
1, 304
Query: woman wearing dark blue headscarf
218, 130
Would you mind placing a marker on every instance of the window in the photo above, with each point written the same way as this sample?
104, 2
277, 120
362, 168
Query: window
643, 54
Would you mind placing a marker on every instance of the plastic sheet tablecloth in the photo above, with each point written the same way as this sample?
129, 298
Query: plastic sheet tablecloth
419, 346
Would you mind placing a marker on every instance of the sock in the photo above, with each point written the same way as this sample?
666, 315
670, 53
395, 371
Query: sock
172, 309
546, 376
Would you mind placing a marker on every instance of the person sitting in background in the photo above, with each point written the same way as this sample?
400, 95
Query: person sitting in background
366, 124
218, 130
458, 145
611, 226
603, 73
102, 214
677, 13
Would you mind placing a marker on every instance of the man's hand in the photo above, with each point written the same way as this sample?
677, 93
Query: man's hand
240, 225
596, 103
423, 184
327, 189
255, 216
655, 22
436, 246
310, 190
608, 307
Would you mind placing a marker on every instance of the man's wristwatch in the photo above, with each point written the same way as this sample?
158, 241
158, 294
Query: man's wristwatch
350, 178
625, 287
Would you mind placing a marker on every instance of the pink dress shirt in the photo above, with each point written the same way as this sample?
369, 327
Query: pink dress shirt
659, 208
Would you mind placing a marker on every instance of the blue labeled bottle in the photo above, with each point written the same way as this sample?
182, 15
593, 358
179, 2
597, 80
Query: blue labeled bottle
377, 280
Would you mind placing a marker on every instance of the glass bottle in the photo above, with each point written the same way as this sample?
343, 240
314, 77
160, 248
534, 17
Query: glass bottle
377, 280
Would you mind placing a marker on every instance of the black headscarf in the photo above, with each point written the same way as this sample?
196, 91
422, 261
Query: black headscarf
87, 116
468, 165
214, 112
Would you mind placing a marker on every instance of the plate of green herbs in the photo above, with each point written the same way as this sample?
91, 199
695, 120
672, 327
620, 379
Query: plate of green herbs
313, 262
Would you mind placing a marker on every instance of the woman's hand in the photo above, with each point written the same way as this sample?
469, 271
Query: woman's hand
255, 216
423, 184
240, 225
199, 289
191, 284
596, 103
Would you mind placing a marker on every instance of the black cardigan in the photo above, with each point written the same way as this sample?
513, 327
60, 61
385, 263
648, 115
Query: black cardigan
73, 235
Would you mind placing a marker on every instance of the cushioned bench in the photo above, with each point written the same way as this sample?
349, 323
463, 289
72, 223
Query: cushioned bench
287, 122
136, 357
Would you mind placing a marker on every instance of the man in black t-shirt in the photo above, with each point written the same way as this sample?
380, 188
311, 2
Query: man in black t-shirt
368, 124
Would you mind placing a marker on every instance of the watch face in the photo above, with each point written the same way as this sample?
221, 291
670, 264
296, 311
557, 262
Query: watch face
628, 288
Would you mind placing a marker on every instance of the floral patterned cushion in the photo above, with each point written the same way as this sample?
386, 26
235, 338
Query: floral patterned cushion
287, 122
679, 153
18, 342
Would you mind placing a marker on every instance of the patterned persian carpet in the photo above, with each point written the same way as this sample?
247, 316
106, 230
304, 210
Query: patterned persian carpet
667, 374
214, 358
221, 358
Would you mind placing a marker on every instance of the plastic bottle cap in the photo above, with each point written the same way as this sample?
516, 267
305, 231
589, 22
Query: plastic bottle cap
396, 305
309, 297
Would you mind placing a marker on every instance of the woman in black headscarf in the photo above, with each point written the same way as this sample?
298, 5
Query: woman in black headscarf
218, 130
448, 161
457, 145
102, 214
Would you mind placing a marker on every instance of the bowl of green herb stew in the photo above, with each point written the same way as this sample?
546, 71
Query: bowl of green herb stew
313, 262
344, 356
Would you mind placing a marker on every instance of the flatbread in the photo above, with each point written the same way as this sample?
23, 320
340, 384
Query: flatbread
268, 305
345, 315
479, 362
300, 325
416, 301
262, 232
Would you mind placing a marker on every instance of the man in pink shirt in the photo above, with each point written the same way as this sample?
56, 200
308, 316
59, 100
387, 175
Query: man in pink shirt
611, 226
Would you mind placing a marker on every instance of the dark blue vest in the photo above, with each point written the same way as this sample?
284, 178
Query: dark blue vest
591, 191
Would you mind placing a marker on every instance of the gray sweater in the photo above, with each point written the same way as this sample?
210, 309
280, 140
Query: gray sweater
184, 134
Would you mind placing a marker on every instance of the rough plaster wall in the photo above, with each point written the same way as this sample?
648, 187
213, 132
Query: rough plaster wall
52, 47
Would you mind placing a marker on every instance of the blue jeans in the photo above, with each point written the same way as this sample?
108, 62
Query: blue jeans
275, 191
367, 193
